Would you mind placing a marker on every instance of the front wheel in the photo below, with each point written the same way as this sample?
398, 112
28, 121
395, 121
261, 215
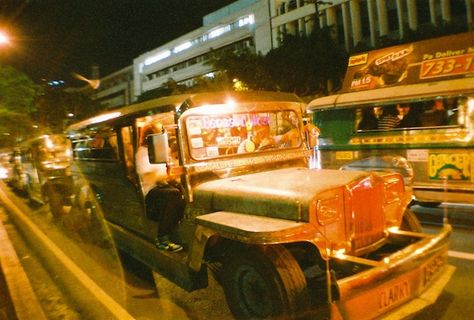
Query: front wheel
265, 283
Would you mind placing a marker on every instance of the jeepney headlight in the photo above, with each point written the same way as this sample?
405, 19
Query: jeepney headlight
3, 173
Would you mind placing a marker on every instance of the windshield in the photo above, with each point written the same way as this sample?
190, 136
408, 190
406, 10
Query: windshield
213, 136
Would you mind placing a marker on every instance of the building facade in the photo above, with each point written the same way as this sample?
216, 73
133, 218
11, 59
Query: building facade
116, 89
259, 25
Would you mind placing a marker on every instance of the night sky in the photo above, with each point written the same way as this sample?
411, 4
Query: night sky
53, 38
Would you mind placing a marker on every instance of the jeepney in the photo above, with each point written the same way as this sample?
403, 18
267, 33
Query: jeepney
42, 172
432, 146
285, 240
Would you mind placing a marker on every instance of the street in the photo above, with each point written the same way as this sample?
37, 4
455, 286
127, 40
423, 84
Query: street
132, 285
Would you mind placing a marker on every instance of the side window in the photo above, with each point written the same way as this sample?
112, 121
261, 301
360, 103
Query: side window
425, 114
102, 146
113, 144
127, 142
81, 149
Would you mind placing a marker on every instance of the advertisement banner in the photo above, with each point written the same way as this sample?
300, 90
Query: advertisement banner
429, 60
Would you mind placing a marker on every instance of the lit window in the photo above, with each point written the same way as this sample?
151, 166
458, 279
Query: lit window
182, 47
219, 31
160, 56
246, 20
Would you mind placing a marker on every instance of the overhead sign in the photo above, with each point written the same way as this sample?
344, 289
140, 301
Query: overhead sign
429, 60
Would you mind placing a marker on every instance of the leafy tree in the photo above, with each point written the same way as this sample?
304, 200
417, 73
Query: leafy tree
171, 87
55, 105
245, 66
303, 65
17, 105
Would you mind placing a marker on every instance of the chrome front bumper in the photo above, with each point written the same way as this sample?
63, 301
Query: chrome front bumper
400, 284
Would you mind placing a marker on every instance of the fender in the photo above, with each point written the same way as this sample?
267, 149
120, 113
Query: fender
248, 229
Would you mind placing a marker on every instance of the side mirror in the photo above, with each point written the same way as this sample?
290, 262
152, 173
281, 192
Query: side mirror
158, 149
311, 133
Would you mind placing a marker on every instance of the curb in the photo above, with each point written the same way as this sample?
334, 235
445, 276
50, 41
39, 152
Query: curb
96, 303
22, 296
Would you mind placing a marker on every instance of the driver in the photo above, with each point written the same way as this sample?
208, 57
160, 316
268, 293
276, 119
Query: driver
259, 140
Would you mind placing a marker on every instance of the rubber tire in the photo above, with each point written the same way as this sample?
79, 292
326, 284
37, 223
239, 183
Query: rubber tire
265, 283
410, 222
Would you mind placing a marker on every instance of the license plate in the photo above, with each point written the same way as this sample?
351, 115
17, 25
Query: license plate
394, 294
432, 268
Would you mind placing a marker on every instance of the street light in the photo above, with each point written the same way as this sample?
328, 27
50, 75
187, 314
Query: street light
4, 38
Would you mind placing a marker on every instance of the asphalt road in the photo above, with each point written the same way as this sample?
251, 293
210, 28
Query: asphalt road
133, 286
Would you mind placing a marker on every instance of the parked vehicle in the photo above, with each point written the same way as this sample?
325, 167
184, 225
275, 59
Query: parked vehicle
408, 108
6, 168
286, 241
42, 172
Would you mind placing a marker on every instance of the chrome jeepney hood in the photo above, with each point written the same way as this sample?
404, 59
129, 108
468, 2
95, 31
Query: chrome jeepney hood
283, 193
351, 208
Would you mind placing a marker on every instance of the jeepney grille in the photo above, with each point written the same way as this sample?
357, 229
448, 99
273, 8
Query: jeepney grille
368, 215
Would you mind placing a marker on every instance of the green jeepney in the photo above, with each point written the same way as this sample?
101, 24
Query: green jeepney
410, 109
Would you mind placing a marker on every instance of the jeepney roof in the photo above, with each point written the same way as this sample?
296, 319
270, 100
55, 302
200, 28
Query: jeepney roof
404, 93
192, 100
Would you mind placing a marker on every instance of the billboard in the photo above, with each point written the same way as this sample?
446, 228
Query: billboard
429, 60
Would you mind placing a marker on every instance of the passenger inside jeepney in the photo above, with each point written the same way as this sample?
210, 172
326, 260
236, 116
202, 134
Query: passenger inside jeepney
370, 118
259, 140
389, 119
291, 136
399, 116
436, 115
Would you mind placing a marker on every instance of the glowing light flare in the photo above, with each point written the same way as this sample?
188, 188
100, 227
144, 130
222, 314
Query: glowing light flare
4, 38
105, 117
230, 103
95, 84
48, 142
3, 173
339, 253
393, 229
